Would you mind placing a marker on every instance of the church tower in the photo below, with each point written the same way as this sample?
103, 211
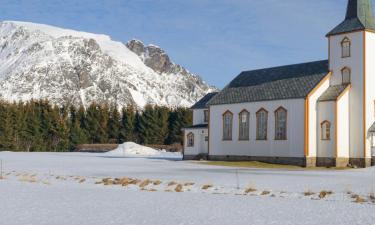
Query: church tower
351, 61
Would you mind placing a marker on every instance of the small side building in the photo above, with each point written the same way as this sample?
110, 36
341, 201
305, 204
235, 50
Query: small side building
196, 136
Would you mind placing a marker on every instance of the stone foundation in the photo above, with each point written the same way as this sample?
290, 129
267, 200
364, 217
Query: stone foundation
360, 162
273, 160
304, 162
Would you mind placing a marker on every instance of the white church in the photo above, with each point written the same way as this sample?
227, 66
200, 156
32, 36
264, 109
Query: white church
311, 114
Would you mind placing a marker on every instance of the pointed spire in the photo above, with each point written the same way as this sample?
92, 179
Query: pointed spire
359, 16
361, 9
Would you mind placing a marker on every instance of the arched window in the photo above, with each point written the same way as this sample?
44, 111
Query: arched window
244, 123
345, 47
227, 126
346, 75
190, 140
280, 124
326, 130
262, 123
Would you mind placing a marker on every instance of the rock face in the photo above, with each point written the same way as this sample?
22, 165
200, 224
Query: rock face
70, 67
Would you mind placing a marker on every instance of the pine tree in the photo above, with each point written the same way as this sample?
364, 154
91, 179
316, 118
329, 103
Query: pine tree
127, 127
114, 125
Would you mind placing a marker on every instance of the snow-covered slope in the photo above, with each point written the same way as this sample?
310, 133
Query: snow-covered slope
71, 67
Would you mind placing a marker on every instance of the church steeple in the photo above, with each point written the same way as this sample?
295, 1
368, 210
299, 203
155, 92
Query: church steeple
359, 16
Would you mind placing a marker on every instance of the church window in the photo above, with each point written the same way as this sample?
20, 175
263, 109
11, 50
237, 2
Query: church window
326, 130
262, 121
190, 140
346, 74
227, 126
345, 47
244, 118
280, 124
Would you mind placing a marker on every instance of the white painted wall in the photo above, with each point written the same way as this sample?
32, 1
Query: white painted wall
343, 126
326, 111
293, 147
355, 63
200, 145
313, 115
198, 116
370, 87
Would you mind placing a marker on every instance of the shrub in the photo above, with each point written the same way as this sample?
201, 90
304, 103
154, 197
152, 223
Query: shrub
207, 186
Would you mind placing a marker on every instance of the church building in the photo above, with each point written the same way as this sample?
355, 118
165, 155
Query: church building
310, 114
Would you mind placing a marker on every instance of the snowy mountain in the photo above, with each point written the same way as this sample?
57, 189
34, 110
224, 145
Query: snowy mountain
71, 67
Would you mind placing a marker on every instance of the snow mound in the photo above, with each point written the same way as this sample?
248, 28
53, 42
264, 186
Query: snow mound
131, 149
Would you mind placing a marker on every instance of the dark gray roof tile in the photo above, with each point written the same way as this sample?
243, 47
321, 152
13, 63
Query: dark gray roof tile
333, 92
285, 82
202, 104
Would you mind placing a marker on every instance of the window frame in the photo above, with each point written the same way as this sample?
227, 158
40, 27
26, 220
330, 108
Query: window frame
190, 142
258, 137
284, 137
206, 115
322, 129
230, 134
247, 127
342, 75
344, 41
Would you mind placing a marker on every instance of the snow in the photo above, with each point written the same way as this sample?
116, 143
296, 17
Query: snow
62, 188
129, 149
43, 62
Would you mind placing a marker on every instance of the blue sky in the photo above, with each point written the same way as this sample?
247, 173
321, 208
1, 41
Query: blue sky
216, 39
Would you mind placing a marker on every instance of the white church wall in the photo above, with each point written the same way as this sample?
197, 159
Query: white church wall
198, 116
313, 110
200, 145
343, 126
355, 63
370, 90
326, 112
292, 147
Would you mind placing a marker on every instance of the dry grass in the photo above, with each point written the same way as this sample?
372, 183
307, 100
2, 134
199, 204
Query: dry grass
207, 186
372, 197
2, 178
152, 190
308, 193
156, 182
145, 183
265, 193
249, 190
172, 183
178, 188
28, 179
189, 184
82, 180
324, 194
359, 199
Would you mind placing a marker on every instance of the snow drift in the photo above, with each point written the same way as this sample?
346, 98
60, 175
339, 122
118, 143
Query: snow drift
131, 149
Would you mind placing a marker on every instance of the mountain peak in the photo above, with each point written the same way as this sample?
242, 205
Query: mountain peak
72, 67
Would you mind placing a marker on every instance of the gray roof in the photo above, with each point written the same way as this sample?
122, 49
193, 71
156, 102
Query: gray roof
333, 92
202, 104
285, 82
359, 16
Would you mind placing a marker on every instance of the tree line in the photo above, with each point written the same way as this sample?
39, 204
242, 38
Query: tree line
41, 126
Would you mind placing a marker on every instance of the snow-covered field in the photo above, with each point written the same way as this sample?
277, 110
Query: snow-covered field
81, 188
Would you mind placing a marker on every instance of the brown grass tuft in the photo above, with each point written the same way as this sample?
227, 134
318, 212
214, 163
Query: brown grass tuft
172, 183
152, 190
145, 183
82, 180
324, 194
28, 179
359, 199
308, 193
178, 188
265, 193
248, 190
189, 184
156, 182
207, 186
